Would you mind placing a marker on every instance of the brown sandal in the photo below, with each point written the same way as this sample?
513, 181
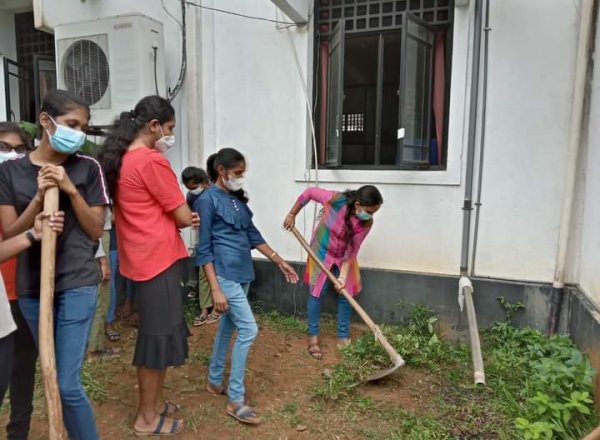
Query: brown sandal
315, 351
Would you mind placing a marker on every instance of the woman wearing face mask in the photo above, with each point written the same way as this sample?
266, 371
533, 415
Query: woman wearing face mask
83, 197
227, 236
149, 210
346, 220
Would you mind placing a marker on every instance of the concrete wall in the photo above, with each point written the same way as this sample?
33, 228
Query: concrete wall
256, 103
589, 245
244, 89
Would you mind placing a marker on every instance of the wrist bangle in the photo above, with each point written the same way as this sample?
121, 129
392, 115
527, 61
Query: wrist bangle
272, 255
30, 236
290, 215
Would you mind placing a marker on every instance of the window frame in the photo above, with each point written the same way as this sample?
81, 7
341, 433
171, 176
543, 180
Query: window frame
322, 40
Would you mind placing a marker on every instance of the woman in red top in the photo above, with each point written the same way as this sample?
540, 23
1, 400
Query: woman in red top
149, 210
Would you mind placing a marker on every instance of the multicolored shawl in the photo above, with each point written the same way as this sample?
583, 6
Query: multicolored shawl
330, 241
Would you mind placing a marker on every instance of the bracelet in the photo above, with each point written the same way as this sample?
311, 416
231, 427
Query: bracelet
272, 255
289, 214
30, 236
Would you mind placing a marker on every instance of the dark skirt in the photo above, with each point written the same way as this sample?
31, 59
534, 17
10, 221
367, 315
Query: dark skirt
162, 332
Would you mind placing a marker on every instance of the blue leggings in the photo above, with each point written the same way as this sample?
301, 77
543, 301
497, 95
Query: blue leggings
343, 315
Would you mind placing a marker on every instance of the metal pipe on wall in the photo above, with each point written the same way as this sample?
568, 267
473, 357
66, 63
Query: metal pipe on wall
473, 107
465, 287
486, 43
588, 17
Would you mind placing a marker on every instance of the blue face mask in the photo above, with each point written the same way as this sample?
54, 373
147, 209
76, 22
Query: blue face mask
65, 140
363, 215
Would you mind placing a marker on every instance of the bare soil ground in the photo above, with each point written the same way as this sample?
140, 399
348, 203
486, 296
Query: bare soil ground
280, 379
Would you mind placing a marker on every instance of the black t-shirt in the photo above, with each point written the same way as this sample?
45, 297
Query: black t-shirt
75, 251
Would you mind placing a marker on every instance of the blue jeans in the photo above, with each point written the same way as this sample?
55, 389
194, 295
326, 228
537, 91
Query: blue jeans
114, 270
73, 314
239, 317
343, 315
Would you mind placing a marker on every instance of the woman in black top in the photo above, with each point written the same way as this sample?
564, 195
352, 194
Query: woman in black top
83, 197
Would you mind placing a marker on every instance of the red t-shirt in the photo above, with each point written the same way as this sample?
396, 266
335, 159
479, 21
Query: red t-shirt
147, 194
9, 273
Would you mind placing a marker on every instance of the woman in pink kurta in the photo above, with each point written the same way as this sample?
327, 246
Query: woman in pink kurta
345, 221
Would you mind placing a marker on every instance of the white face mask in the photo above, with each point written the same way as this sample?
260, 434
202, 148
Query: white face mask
7, 155
165, 143
197, 191
233, 183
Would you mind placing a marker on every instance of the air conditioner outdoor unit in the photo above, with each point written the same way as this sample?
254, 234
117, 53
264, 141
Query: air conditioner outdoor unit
111, 63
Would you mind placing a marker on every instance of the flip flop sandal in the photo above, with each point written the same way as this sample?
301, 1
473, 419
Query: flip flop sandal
244, 414
167, 410
176, 428
215, 390
112, 335
200, 320
315, 351
213, 317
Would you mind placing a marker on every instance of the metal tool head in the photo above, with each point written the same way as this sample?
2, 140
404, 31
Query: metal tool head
399, 362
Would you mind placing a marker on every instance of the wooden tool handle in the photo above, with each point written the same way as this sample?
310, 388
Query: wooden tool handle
374, 328
56, 430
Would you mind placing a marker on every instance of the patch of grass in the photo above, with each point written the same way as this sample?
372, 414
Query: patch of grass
94, 380
290, 413
201, 356
537, 386
282, 323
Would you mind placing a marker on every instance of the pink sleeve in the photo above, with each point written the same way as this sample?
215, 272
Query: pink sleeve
161, 182
357, 240
318, 195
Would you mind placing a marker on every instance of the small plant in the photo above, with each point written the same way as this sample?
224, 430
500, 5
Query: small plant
510, 309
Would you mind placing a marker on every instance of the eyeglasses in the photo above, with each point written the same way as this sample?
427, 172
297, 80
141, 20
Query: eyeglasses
5, 147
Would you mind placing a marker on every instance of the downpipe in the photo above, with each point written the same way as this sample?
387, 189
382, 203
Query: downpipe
465, 287
588, 17
465, 298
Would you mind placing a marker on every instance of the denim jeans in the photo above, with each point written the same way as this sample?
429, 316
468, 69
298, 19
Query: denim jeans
113, 258
343, 315
73, 313
239, 317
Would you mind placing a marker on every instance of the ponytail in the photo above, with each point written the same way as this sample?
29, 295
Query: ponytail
210, 168
125, 129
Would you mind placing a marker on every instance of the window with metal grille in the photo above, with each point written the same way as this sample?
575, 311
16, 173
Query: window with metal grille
382, 76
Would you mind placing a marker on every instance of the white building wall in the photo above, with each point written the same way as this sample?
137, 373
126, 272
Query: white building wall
249, 96
531, 71
589, 261
259, 108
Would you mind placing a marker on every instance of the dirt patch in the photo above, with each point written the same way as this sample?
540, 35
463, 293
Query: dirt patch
279, 379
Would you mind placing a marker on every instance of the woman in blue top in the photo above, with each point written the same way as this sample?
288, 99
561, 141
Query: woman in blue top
227, 235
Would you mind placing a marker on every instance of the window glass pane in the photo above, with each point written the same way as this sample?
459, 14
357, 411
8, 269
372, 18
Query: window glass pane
360, 99
333, 103
389, 99
417, 101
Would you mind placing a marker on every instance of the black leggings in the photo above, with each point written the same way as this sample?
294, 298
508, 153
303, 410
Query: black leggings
18, 354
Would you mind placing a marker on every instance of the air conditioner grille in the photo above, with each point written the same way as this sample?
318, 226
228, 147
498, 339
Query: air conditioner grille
85, 71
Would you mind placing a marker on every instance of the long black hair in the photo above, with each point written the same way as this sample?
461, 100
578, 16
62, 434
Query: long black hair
229, 158
367, 195
125, 129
